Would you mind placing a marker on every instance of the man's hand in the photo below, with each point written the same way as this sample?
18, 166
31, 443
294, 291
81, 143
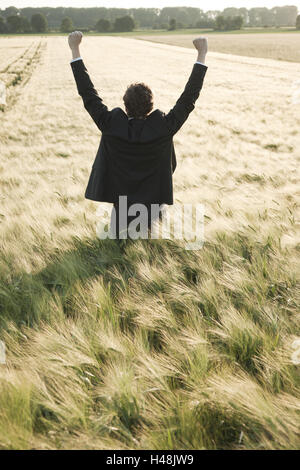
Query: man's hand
74, 39
202, 46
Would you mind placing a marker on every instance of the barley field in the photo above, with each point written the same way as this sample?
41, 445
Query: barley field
145, 345
279, 46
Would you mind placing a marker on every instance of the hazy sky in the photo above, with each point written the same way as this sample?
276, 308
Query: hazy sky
204, 5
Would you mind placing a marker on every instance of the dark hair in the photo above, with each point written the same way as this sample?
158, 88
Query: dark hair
138, 100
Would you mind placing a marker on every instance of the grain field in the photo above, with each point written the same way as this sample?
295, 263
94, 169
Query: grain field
146, 345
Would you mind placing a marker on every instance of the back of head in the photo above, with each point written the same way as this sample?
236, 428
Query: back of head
138, 100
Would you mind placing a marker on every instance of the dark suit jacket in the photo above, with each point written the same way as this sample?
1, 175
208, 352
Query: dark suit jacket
136, 157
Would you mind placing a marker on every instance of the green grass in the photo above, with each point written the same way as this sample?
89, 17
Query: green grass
143, 345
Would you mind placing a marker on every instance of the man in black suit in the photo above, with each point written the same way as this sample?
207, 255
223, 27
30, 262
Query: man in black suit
136, 156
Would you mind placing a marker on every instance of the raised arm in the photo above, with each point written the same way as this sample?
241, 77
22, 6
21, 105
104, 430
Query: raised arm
186, 102
91, 100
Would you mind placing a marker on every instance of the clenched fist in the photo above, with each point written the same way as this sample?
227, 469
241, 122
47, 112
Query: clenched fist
201, 44
202, 47
74, 39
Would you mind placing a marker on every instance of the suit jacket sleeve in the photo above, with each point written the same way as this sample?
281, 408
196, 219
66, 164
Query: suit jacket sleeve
91, 100
186, 102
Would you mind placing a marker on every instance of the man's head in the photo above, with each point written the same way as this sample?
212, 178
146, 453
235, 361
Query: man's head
138, 100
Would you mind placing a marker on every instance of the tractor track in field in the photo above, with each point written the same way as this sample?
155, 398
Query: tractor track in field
16, 74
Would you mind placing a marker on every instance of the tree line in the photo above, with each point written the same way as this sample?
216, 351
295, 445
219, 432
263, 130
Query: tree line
38, 24
24, 20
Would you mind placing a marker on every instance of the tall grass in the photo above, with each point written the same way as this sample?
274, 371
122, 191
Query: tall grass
143, 344
121, 354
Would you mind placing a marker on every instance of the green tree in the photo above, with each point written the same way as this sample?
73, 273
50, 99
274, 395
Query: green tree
163, 26
123, 24
298, 22
228, 23
3, 25
285, 16
103, 26
220, 23
261, 16
205, 22
146, 17
185, 15
172, 24
236, 22
66, 25
39, 23
25, 24
14, 23
10, 11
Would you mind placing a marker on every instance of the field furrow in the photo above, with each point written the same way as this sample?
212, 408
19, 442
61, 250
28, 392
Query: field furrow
18, 71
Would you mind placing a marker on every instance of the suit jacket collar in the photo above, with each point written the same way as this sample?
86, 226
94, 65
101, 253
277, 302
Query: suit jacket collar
149, 115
